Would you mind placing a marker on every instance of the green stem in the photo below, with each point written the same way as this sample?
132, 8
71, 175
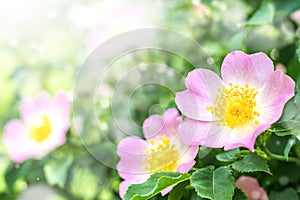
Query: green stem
280, 130
280, 157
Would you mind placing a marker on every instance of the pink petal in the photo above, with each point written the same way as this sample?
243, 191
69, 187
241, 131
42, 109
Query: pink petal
240, 68
296, 16
167, 190
130, 168
132, 153
202, 87
15, 140
245, 136
186, 152
123, 187
194, 105
186, 167
251, 188
157, 125
60, 111
125, 184
208, 134
56, 139
203, 82
172, 119
33, 106
271, 98
153, 126
62, 104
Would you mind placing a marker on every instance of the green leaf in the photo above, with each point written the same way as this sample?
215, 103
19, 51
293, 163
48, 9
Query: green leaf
236, 41
298, 53
289, 123
177, 191
239, 195
290, 111
6, 196
214, 184
286, 7
202, 180
288, 147
56, 171
264, 15
288, 194
291, 127
15, 172
228, 156
154, 185
251, 163
84, 183
297, 96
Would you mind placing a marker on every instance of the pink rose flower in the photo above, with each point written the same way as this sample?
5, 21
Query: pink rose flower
232, 112
202, 11
251, 188
161, 151
43, 126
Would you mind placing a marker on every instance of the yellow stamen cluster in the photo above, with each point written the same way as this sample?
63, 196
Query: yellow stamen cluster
162, 156
234, 105
41, 131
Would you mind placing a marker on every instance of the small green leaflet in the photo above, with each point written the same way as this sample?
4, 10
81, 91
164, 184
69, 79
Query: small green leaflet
264, 15
14, 172
286, 7
291, 127
290, 110
297, 95
298, 52
177, 191
251, 163
56, 170
81, 178
289, 123
214, 184
289, 146
154, 185
228, 156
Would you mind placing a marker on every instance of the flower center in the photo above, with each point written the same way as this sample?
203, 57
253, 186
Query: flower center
162, 156
234, 105
41, 131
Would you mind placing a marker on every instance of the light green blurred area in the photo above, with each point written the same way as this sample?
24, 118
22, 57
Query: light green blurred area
42, 46
44, 43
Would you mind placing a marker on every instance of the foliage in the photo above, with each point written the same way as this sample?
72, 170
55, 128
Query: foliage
155, 184
213, 184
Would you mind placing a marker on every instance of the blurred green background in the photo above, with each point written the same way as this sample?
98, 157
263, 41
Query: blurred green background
44, 43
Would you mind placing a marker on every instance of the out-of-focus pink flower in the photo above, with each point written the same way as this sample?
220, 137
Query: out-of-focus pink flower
161, 151
296, 16
200, 8
202, 11
232, 112
43, 126
120, 18
251, 188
